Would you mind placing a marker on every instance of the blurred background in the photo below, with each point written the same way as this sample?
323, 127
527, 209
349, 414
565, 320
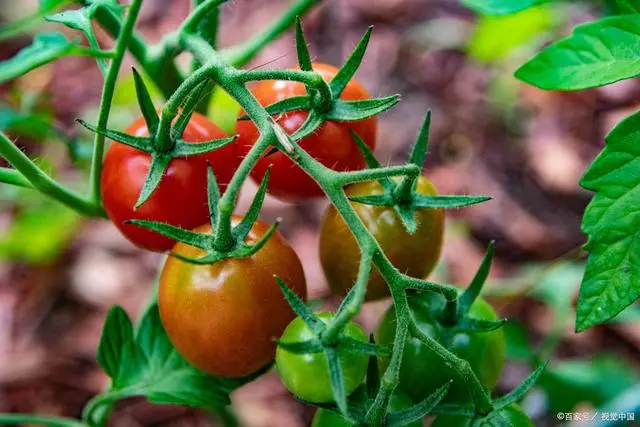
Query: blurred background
490, 135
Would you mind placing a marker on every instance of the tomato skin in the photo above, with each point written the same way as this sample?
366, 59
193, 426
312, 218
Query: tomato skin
224, 318
307, 375
181, 197
332, 143
422, 372
414, 254
327, 418
513, 414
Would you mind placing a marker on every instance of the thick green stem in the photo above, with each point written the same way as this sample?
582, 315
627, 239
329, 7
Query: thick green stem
107, 96
21, 419
43, 182
13, 177
241, 54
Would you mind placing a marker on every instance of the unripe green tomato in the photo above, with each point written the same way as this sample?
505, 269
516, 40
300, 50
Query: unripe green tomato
422, 372
512, 414
414, 254
327, 418
307, 375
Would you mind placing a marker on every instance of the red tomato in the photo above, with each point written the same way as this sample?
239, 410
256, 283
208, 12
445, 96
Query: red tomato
331, 144
181, 197
224, 317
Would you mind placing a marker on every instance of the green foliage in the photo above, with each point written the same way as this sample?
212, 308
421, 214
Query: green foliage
489, 42
596, 54
612, 220
501, 7
146, 364
21, 25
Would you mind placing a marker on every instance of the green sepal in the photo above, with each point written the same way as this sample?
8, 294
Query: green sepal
372, 162
518, 393
466, 411
473, 290
313, 122
145, 102
421, 201
213, 197
187, 111
183, 149
350, 66
241, 230
302, 48
248, 250
407, 215
286, 105
159, 163
302, 347
337, 381
420, 148
351, 345
372, 383
353, 111
201, 241
470, 324
300, 308
141, 143
419, 411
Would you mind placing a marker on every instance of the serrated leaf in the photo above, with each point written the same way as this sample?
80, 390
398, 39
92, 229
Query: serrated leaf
46, 47
117, 332
501, 7
596, 54
612, 220
350, 66
353, 111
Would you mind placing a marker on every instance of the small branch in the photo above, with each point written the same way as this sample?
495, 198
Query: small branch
107, 96
243, 53
199, 13
43, 182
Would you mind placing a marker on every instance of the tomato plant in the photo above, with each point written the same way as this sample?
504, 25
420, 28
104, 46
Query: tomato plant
327, 418
125, 170
512, 415
331, 144
415, 254
422, 371
296, 370
235, 300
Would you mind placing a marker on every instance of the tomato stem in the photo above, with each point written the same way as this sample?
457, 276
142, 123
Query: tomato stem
20, 419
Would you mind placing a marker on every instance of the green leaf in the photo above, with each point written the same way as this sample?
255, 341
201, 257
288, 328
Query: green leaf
183, 148
139, 142
337, 380
189, 237
187, 110
628, 6
518, 393
408, 217
353, 111
473, 290
419, 150
470, 324
489, 44
302, 347
286, 105
241, 230
501, 7
310, 125
596, 54
612, 222
16, 27
116, 333
213, 197
300, 308
350, 66
145, 102
373, 163
46, 47
350, 345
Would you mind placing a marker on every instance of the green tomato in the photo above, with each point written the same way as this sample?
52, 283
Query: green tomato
327, 418
513, 414
422, 372
307, 375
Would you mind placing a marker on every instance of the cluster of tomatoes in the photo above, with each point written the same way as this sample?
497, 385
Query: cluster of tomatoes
224, 317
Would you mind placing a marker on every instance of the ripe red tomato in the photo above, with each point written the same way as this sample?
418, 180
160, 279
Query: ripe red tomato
224, 318
414, 254
181, 197
331, 144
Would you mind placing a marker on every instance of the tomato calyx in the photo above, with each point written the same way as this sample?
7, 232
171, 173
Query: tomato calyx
165, 141
226, 241
402, 195
326, 105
